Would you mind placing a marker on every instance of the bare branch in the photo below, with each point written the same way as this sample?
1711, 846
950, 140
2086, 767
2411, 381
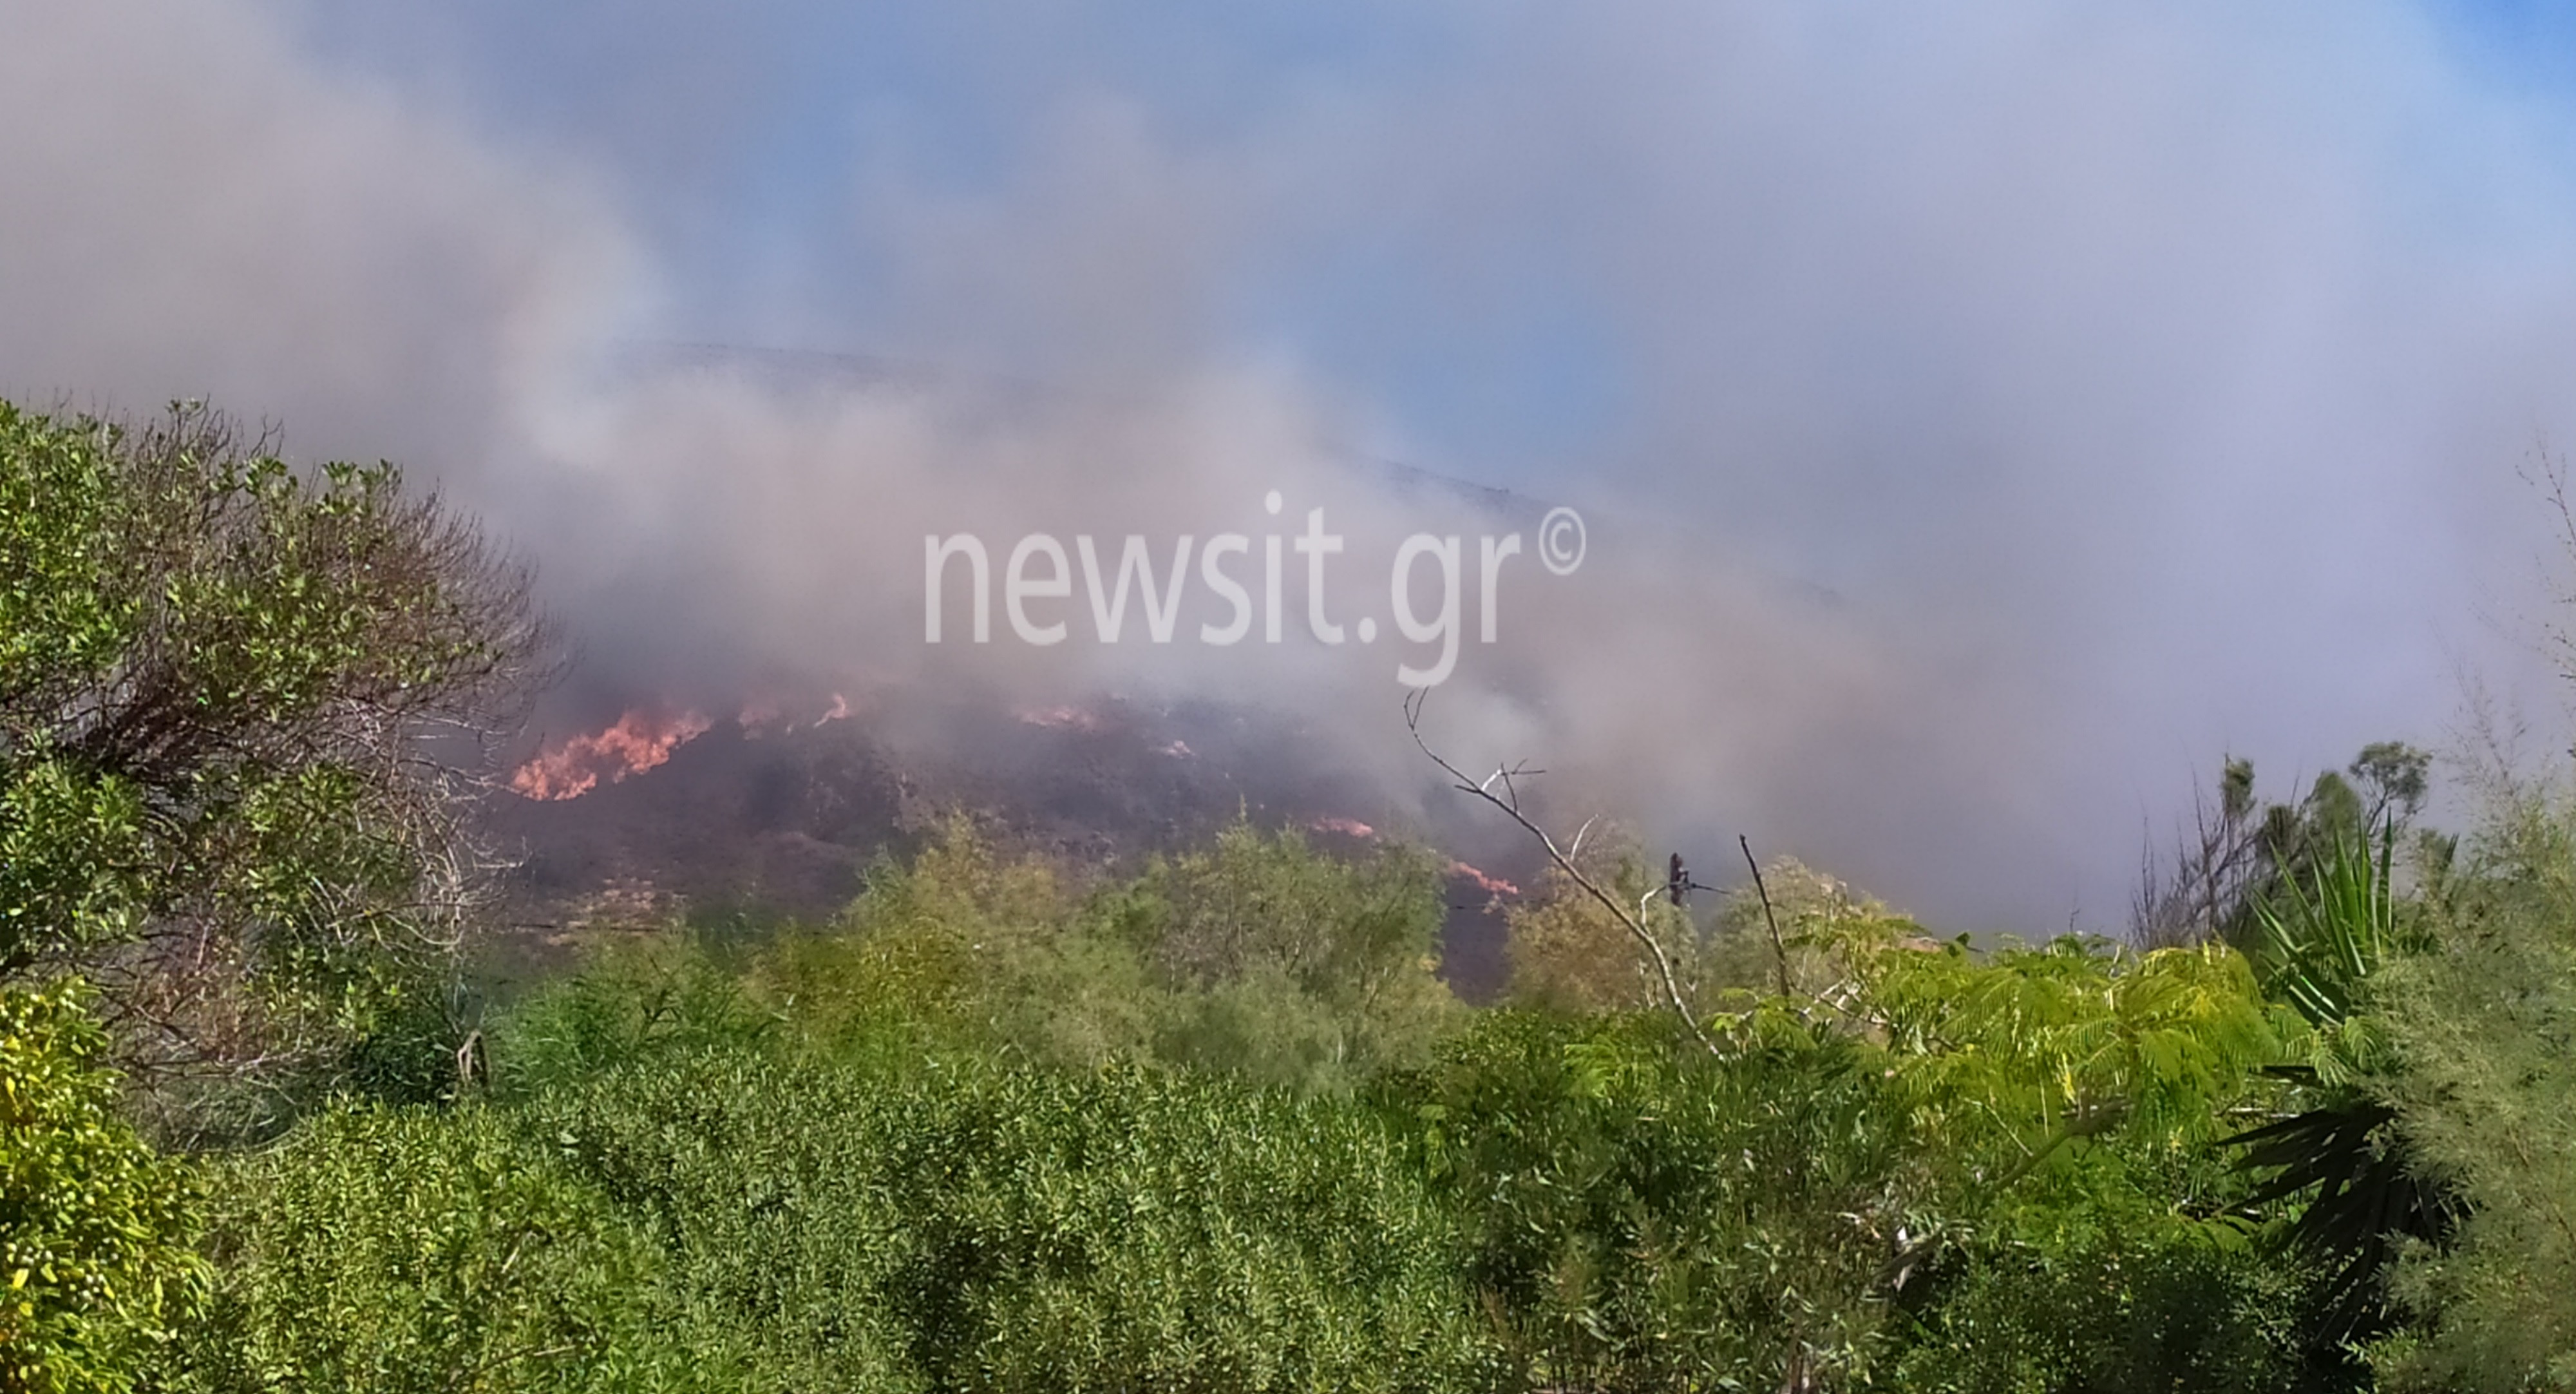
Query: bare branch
1509, 803
1779, 949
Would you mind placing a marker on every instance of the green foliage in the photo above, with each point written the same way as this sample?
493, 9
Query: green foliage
421, 1252
2067, 1105
2324, 934
631, 1005
218, 681
1285, 963
748, 1221
2121, 1305
1569, 953
995, 1131
1648, 1216
2482, 1028
2013, 1055
2037, 1112
96, 1271
2246, 852
990, 1133
1032, 1230
1257, 956
2326, 928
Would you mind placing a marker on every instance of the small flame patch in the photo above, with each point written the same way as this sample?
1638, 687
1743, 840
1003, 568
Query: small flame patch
638, 742
1494, 886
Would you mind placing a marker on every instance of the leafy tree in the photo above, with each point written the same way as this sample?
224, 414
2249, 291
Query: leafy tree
1649, 1215
631, 1004
1568, 952
2323, 938
1285, 962
96, 1269
238, 714
1258, 955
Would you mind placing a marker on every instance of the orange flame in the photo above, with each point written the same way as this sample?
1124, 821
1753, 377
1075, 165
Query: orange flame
1491, 885
638, 742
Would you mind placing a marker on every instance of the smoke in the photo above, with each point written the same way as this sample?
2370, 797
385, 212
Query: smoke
1983, 421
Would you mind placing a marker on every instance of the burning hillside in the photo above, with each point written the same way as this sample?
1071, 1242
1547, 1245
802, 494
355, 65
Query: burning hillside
642, 740
783, 806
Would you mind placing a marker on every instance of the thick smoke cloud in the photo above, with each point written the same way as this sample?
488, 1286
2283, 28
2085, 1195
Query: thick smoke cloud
192, 208
1984, 420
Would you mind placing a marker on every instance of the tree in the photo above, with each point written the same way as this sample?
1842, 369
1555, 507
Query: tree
240, 710
2241, 850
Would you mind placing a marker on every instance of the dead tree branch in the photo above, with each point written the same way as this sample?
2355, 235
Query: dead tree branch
1779, 949
1509, 802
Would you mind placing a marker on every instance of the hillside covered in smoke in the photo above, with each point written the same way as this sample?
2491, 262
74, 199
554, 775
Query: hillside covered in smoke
1979, 426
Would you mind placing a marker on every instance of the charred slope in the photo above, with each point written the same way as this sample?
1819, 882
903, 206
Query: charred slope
784, 818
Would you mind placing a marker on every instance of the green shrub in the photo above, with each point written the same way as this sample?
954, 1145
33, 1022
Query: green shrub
631, 1003
2132, 1282
2482, 1028
1645, 1215
1256, 956
95, 1265
744, 1219
411, 1250
971, 1228
230, 694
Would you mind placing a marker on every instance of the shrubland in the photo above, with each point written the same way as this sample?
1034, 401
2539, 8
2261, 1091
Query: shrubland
1207, 1121
977, 1135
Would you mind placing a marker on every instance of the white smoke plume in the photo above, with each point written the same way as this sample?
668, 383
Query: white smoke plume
1983, 420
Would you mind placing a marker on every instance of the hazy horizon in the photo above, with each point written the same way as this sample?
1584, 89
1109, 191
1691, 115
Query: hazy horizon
1985, 421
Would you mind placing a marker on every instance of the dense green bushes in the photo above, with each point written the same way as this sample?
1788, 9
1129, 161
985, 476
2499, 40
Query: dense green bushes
1257, 956
958, 1142
977, 1136
736, 1221
1553, 1202
96, 1269
1644, 1215
406, 1249
2479, 1077
851, 1160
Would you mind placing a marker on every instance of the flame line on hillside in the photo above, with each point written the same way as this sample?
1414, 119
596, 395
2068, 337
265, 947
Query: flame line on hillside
638, 742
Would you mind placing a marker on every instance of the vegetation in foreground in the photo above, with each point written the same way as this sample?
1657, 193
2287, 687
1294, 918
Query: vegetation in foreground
1214, 1124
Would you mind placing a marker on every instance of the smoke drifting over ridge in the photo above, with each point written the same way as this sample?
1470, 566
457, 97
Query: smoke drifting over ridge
2142, 387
